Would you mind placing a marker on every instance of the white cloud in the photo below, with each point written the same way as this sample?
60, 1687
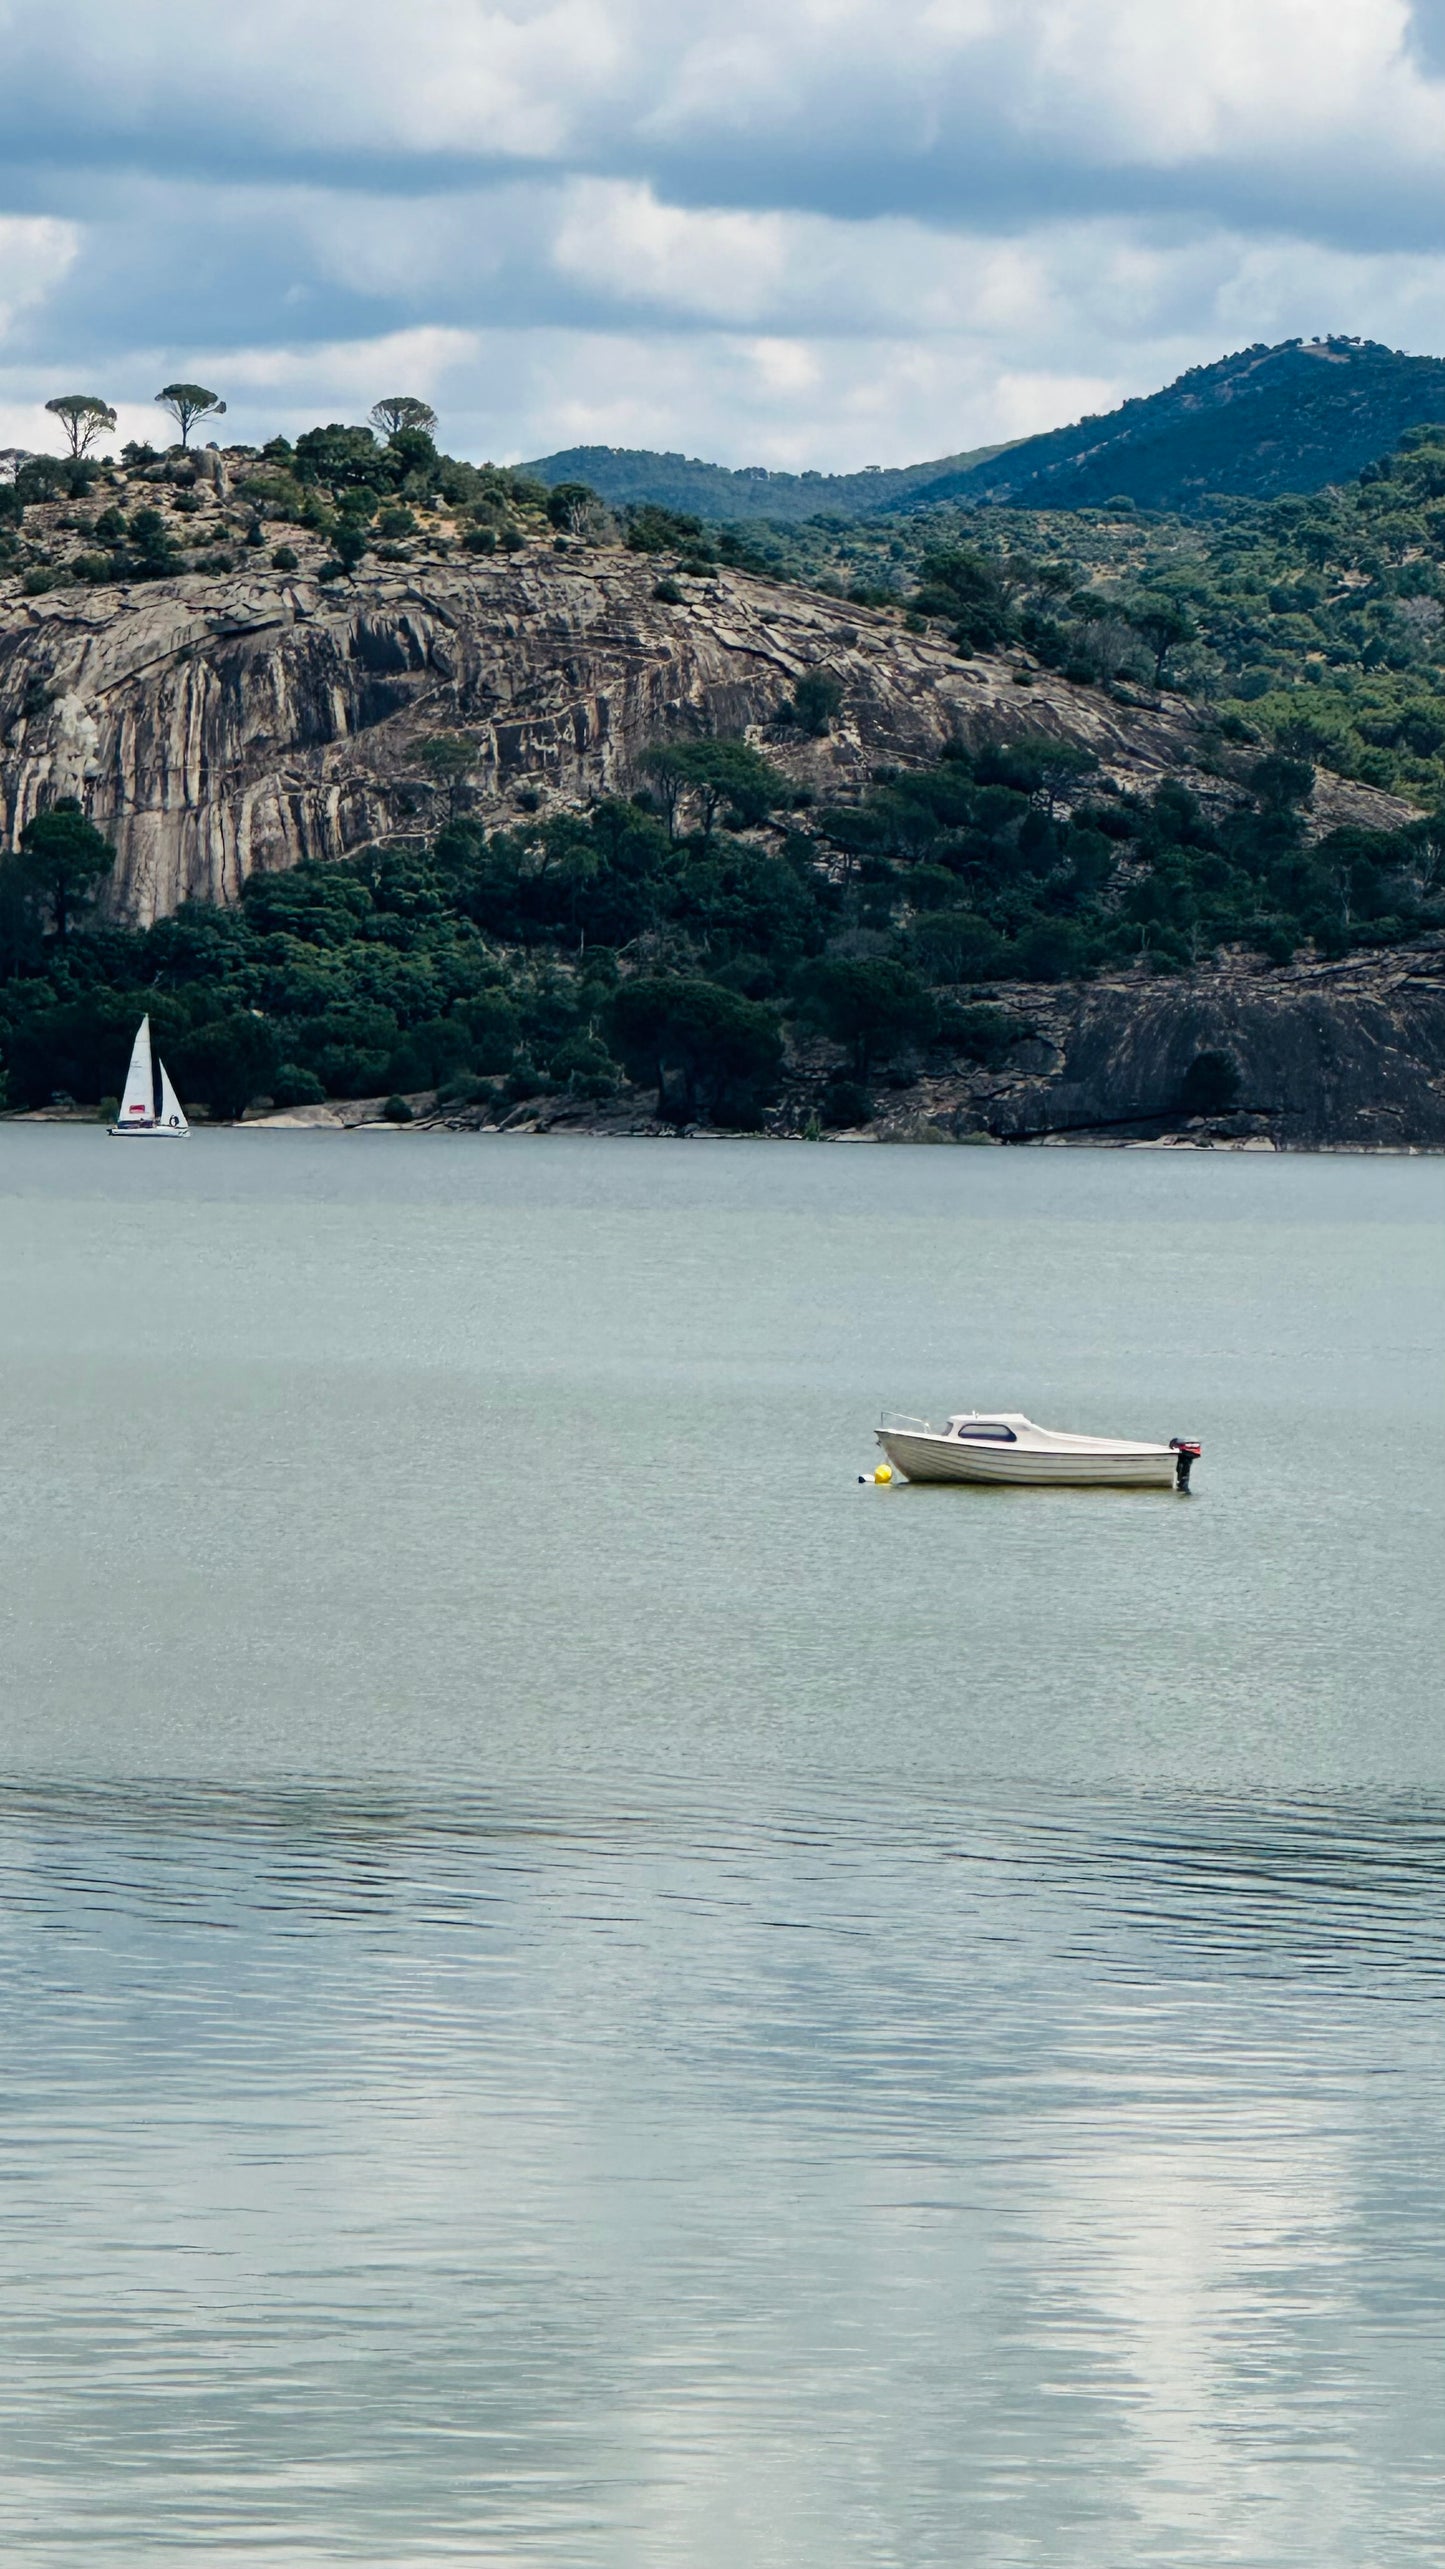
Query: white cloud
774, 234
35, 252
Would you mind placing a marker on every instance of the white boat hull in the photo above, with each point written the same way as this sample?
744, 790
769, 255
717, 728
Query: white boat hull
1087, 1463
148, 1132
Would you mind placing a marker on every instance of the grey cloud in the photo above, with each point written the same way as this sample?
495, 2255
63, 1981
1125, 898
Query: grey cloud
867, 123
284, 178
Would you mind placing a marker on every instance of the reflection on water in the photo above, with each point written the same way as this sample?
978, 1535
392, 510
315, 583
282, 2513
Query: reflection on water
674, 2012
843, 2179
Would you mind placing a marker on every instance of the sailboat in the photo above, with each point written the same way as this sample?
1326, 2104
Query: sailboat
150, 1104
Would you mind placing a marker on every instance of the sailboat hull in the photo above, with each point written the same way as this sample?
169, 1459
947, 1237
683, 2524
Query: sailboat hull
148, 1132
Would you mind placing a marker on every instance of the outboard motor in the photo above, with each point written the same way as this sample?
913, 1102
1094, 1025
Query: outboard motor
1184, 1452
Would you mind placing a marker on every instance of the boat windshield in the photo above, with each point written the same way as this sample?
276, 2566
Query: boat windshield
989, 1427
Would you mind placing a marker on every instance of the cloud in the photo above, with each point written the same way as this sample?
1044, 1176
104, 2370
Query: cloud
35, 253
770, 234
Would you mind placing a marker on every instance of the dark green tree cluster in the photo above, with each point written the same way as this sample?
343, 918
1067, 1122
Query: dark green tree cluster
677, 938
1010, 865
488, 965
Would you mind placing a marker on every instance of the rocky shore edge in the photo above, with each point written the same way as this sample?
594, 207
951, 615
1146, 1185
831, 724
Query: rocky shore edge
1341, 1056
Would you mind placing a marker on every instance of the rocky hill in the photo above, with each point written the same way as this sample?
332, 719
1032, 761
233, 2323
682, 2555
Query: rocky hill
217, 725
241, 716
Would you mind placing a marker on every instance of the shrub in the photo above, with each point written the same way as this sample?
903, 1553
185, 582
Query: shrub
844, 1103
587, 1067
1050, 950
293, 1085
958, 945
816, 700
873, 1006
983, 1034
285, 558
397, 1111
227, 1063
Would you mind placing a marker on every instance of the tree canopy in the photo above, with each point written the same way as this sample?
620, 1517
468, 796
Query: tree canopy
60, 861
397, 412
188, 404
84, 417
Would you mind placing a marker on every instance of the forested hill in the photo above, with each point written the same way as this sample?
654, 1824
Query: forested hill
624, 475
1267, 420
513, 804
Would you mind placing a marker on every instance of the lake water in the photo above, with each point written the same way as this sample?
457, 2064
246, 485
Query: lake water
578, 1988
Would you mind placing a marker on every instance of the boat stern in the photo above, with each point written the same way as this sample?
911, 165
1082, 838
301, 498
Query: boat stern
1185, 1453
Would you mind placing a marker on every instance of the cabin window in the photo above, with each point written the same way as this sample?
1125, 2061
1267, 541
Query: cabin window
997, 1435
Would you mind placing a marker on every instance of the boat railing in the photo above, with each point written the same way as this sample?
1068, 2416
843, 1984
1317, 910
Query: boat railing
901, 1423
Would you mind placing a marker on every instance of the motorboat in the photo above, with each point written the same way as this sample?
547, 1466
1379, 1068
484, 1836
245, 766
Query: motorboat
1002, 1445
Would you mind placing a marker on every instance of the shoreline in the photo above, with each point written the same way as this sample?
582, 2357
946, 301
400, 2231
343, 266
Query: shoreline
363, 1115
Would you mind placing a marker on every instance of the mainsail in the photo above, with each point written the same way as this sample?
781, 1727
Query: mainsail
150, 1104
138, 1105
172, 1115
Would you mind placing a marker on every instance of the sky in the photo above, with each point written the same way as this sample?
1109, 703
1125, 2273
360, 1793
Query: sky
822, 233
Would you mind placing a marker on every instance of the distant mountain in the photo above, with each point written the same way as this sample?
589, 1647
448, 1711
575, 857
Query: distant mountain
1267, 420
713, 492
1290, 418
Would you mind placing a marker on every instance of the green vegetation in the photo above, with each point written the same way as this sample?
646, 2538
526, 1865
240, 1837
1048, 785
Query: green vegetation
345, 492
1255, 424
188, 404
680, 939
401, 411
1312, 625
84, 417
633, 477
685, 939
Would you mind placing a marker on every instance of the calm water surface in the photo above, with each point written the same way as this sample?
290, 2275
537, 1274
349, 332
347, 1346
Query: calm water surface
577, 1988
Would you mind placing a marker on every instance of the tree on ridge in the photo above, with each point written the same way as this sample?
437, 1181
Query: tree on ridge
400, 411
84, 417
188, 403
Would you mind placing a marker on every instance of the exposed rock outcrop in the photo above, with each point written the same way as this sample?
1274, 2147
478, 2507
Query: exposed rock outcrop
215, 725
1347, 1056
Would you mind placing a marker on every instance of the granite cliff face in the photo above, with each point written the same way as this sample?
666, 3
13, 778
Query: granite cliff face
1347, 1056
216, 725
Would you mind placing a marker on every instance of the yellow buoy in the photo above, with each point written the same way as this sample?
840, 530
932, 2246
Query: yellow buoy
884, 1472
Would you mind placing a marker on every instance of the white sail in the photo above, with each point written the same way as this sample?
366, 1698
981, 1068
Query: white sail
138, 1105
172, 1115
